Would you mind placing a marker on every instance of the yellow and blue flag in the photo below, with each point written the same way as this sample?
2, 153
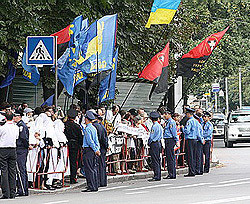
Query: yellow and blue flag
163, 11
107, 85
30, 72
97, 43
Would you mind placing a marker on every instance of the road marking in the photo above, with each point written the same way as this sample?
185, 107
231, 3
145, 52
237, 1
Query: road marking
138, 192
60, 201
230, 184
112, 188
148, 187
191, 185
231, 181
226, 200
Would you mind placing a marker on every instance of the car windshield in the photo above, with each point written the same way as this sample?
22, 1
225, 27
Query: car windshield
240, 118
217, 121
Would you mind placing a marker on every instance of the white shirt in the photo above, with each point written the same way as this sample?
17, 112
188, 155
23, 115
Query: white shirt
110, 118
9, 133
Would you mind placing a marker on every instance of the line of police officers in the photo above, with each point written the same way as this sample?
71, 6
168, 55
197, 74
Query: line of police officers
198, 135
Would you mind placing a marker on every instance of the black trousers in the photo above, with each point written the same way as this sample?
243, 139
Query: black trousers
206, 151
191, 148
155, 150
73, 159
102, 175
90, 168
199, 158
170, 157
22, 176
8, 171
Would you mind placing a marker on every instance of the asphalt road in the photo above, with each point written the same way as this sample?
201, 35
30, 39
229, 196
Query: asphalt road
227, 184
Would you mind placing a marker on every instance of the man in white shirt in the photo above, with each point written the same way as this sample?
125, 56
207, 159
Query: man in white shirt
9, 133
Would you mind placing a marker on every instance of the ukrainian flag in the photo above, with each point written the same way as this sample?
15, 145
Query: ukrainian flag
162, 11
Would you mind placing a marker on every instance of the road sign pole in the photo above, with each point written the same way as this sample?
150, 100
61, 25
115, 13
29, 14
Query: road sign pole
56, 75
240, 90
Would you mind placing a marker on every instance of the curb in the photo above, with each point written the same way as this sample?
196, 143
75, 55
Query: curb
115, 179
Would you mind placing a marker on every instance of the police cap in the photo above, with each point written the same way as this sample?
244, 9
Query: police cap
90, 115
154, 114
190, 110
72, 113
206, 114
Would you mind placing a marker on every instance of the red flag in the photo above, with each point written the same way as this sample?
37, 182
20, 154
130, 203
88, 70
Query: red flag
63, 35
153, 70
194, 60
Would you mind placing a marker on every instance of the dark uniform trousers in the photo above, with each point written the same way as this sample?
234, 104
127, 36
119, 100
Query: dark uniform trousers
170, 157
199, 158
191, 148
90, 168
155, 150
73, 159
8, 171
102, 175
22, 176
206, 151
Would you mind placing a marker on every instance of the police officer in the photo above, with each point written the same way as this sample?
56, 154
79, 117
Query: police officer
207, 134
74, 136
103, 141
190, 132
9, 133
91, 149
22, 153
199, 147
171, 139
154, 142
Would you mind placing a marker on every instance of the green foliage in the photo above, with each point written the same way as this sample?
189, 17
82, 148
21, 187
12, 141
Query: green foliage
193, 22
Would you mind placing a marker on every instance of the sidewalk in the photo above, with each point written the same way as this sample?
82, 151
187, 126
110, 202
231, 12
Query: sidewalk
114, 179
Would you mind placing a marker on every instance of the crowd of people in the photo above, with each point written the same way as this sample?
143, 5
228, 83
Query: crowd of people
34, 140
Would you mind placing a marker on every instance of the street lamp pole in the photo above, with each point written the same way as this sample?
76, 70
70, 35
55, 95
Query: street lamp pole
227, 103
240, 90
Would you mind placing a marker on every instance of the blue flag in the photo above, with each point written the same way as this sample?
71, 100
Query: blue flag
30, 72
11, 72
49, 101
67, 73
99, 40
107, 85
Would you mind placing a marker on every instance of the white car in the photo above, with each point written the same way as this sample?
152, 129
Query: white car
237, 128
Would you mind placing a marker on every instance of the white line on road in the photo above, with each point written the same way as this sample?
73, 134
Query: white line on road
231, 181
56, 202
138, 192
191, 185
112, 188
226, 200
230, 184
148, 187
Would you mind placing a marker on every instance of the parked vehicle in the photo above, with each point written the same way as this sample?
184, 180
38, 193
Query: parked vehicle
218, 121
237, 128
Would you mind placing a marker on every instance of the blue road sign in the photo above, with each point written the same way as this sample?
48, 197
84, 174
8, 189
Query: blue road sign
40, 50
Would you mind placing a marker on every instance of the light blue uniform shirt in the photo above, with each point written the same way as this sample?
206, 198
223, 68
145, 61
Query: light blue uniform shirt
156, 133
170, 130
190, 130
90, 138
208, 131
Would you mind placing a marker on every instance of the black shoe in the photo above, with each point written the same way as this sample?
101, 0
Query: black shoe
89, 190
73, 182
49, 187
199, 174
12, 197
153, 179
189, 175
206, 172
4, 197
168, 177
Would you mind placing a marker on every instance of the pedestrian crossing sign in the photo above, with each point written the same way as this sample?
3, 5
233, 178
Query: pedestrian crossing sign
40, 50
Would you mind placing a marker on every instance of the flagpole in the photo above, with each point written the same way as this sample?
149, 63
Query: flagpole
56, 74
133, 86
97, 65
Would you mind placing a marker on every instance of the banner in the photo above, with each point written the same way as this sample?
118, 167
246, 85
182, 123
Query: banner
162, 12
107, 85
192, 62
